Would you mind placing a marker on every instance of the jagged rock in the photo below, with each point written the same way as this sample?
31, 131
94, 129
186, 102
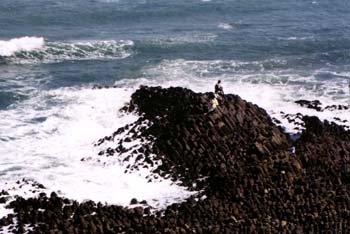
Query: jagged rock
3, 200
237, 159
315, 104
337, 107
133, 201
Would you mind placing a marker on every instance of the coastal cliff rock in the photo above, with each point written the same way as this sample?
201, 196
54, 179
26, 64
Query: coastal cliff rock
194, 144
235, 157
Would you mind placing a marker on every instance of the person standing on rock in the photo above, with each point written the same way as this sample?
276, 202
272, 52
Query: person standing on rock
218, 89
219, 92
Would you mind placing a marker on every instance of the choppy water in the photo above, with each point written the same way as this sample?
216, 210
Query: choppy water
53, 51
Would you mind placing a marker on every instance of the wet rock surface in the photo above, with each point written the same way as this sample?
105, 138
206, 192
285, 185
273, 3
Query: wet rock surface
317, 105
235, 157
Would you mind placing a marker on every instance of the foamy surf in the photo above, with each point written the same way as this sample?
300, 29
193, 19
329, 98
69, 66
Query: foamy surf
47, 143
48, 146
36, 50
184, 38
22, 44
275, 91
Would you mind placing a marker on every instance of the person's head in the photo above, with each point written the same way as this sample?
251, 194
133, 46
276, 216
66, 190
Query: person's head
219, 81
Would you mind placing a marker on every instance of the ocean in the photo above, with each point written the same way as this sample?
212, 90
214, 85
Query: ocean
53, 52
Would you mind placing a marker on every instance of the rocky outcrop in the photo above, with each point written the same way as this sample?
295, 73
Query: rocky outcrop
235, 157
194, 144
317, 105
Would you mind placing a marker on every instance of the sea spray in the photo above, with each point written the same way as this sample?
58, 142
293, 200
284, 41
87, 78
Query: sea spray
31, 50
10, 47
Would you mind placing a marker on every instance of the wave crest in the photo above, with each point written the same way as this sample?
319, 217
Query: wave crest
25, 44
35, 50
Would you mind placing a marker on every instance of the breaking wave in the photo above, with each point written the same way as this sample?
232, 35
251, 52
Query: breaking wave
46, 142
23, 44
36, 50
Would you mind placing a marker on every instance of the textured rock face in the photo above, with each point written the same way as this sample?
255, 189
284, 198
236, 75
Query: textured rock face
317, 105
236, 158
325, 158
197, 144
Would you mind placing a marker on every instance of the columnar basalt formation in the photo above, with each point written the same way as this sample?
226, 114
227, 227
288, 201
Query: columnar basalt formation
237, 159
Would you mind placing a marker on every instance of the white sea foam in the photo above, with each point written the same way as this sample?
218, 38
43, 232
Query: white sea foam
273, 91
4, 211
57, 51
310, 38
10, 228
46, 143
193, 37
226, 26
10, 47
34, 50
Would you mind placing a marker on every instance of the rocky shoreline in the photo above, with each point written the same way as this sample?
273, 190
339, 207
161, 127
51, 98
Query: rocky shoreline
236, 158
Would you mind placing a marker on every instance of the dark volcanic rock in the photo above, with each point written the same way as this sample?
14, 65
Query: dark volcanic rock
315, 104
196, 144
235, 156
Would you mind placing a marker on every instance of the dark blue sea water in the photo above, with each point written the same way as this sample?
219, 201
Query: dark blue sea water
52, 52
279, 35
